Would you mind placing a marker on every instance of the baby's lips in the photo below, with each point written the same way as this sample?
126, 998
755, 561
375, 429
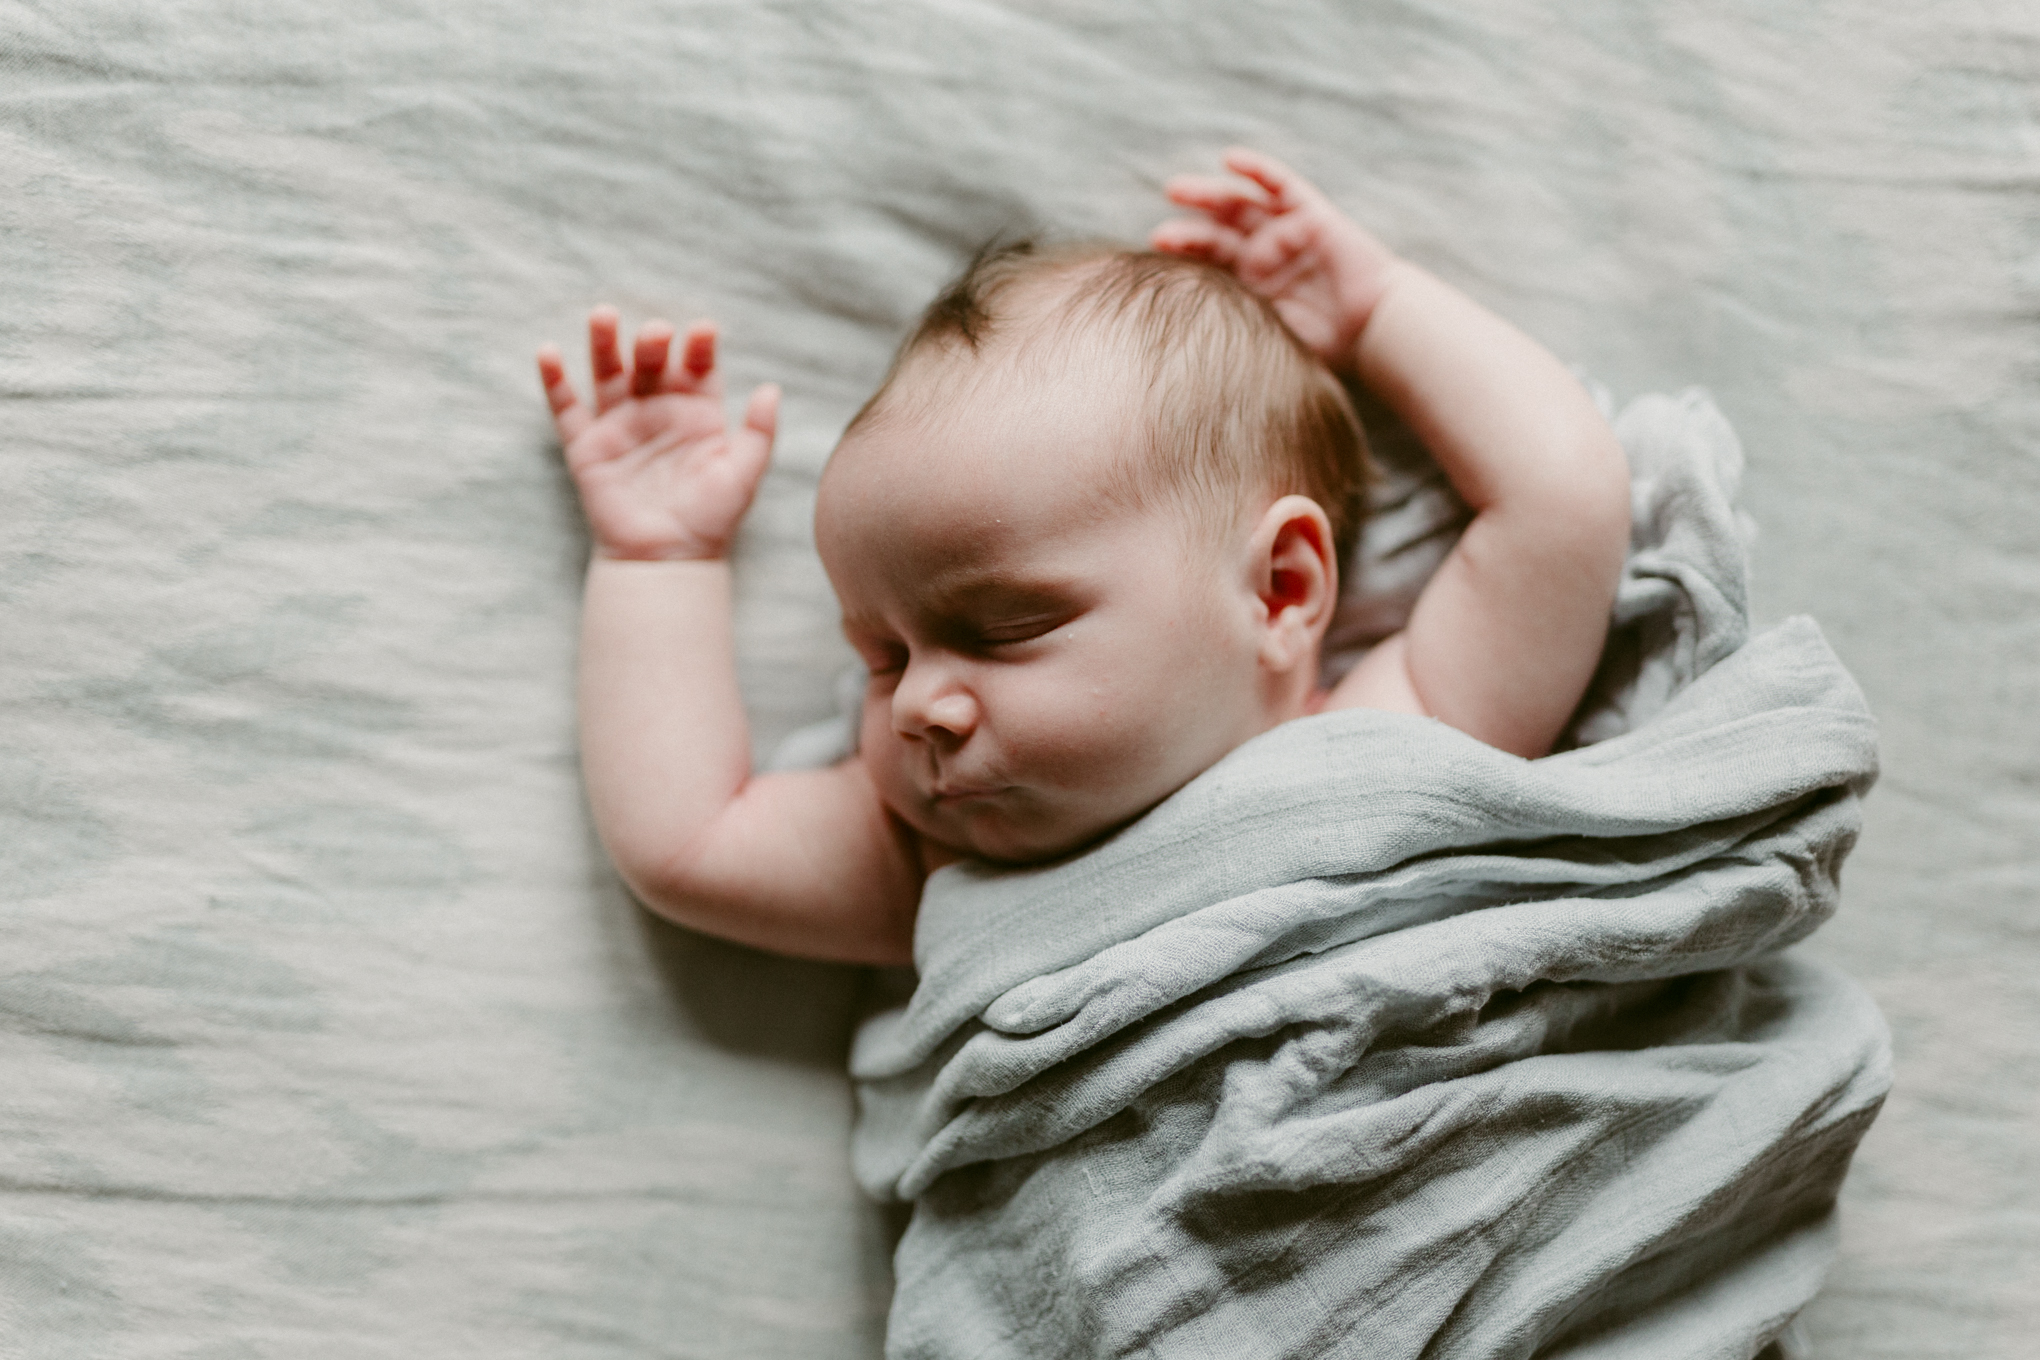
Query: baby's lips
957, 793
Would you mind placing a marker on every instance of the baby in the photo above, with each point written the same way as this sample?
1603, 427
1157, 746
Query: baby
1086, 538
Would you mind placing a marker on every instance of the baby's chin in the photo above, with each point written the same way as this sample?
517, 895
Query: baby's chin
1014, 837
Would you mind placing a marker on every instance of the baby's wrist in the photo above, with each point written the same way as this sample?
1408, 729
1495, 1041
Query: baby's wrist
1372, 287
656, 573
660, 552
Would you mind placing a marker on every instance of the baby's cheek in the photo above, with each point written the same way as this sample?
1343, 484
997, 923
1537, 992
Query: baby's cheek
884, 759
1095, 741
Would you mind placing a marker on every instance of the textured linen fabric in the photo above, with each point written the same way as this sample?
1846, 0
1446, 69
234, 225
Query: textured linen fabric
324, 1028
1374, 1038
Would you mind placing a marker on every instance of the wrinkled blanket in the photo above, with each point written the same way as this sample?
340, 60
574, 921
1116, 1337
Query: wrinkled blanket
1376, 1041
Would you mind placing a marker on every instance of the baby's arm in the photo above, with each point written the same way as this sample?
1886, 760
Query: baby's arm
807, 863
1505, 637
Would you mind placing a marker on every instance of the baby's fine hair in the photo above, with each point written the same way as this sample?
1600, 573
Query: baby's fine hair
1235, 405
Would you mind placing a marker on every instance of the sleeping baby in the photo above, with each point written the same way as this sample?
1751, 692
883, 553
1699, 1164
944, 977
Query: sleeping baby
1241, 1027
1086, 538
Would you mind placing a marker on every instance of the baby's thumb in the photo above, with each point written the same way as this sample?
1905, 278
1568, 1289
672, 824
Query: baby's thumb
752, 446
761, 413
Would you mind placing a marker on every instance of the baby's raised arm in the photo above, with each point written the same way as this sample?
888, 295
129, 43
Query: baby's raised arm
806, 863
1505, 637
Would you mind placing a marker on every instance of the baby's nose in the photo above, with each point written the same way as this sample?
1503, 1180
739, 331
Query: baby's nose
955, 713
930, 705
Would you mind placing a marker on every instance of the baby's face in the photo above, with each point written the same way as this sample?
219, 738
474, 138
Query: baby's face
1046, 664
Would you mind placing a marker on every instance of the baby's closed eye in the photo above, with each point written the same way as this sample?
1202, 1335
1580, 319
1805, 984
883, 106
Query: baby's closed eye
1026, 629
966, 632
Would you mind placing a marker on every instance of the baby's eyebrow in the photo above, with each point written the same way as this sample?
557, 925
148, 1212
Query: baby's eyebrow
977, 587
975, 592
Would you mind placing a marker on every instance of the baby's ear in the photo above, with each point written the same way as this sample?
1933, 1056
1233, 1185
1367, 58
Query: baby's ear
1298, 580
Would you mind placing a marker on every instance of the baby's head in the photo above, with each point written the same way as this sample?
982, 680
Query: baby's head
1085, 537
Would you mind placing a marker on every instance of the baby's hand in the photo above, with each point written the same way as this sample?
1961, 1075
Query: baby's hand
661, 475
1286, 241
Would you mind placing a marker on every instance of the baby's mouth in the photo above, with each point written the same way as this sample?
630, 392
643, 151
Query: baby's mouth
946, 787
949, 788
962, 793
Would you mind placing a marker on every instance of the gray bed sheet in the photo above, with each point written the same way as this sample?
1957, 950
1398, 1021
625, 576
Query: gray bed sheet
325, 1030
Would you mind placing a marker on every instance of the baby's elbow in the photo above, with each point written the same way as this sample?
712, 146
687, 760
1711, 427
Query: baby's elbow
685, 893
1595, 499
670, 879
719, 890
664, 889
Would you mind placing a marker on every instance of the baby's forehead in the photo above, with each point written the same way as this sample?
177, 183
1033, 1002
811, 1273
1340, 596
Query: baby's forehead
981, 452
972, 438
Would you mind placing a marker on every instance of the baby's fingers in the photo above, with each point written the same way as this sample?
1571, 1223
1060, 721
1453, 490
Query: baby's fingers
570, 417
1197, 238
750, 447
612, 384
761, 413
1264, 261
648, 358
761, 423
1222, 198
694, 362
1286, 189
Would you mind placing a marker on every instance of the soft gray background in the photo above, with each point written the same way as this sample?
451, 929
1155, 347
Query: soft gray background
324, 1028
